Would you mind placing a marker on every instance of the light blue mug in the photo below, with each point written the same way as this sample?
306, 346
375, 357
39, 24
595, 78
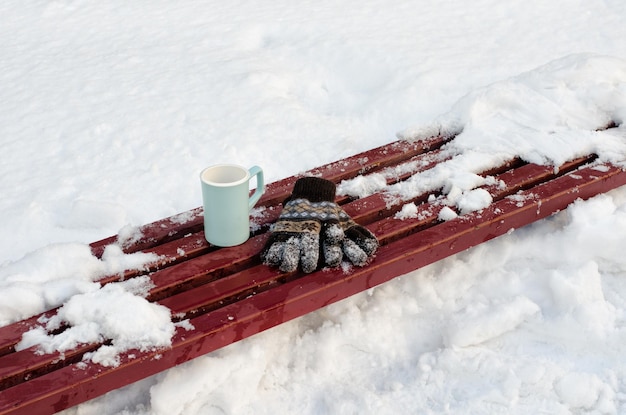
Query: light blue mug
227, 202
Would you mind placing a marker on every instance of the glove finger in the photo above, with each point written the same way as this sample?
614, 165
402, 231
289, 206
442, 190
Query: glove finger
310, 252
291, 255
333, 255
363, 238
355, 254
274, 254
333, 235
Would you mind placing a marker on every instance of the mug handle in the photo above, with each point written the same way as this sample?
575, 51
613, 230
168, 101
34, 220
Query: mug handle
260, 185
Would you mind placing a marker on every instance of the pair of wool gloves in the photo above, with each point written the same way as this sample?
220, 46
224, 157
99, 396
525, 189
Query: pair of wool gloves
313, 231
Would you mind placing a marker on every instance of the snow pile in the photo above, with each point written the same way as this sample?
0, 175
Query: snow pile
408, 211
48, 277
447, 214
65, 275
117, 313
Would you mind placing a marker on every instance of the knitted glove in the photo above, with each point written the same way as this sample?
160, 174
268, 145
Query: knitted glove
308, 225
310, 215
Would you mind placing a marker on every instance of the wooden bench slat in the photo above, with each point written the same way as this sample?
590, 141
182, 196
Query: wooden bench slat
76, 383
201, 270
12, 333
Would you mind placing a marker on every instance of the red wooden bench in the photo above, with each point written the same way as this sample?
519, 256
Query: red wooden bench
228, 295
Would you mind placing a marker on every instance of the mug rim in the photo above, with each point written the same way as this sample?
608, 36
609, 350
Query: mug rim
229, 184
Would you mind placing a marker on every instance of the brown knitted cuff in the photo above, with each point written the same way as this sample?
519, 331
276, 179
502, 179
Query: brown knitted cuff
314, 189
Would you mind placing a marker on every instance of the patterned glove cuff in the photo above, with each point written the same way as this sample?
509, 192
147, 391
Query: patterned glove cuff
314, 189
303, 216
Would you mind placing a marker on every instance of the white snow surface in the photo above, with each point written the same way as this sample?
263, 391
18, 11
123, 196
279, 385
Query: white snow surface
111, 109
117, 312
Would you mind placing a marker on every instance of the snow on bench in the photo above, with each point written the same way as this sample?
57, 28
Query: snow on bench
218, 296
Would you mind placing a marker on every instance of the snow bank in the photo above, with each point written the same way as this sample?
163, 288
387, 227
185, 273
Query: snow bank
546, 116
